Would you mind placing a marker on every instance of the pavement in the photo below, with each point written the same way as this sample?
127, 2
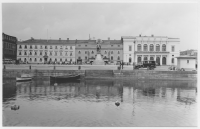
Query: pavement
75, 67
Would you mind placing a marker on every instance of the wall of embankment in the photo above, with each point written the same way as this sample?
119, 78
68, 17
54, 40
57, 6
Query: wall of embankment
111, 74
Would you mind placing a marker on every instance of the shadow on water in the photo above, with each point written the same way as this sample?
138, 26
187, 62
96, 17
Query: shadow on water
9, 90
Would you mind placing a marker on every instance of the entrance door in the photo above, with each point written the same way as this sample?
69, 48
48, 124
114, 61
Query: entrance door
45, 60
129, 59
158, 60
164, 61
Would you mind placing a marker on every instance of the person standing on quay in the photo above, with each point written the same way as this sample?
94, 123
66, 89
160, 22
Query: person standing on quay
122, 64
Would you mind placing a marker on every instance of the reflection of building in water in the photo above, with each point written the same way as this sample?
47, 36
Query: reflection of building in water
9, 91
187, 96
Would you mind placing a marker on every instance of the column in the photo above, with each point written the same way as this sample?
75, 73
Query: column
160, 59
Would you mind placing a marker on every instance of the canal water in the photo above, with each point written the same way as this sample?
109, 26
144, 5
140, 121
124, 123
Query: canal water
92, 103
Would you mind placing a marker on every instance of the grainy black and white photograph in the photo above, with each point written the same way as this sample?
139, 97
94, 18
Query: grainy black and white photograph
100, 64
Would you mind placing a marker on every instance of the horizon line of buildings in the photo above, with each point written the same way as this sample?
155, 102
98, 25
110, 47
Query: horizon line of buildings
129, 49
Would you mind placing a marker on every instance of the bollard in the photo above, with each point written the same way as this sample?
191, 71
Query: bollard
79, 67
30, 67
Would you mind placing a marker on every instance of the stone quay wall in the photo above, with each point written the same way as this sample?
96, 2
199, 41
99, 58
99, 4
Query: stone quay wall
111, 74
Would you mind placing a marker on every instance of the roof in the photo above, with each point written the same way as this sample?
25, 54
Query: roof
186, 57
43, 41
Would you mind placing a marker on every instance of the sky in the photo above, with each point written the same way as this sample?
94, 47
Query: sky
101, 20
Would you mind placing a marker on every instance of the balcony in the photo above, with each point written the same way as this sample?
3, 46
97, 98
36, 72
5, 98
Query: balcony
149, 52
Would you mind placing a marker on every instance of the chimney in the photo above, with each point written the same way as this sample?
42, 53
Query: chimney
108, 38
152, 35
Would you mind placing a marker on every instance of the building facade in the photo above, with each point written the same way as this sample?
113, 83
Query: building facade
9, 47
163, 50
46, 51
111, 50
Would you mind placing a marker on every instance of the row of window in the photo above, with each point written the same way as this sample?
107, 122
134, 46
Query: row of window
86, 45
9, 52
6, 37
45, 47
41, 59
50, 53
111, 58
151, 47
139, 59
9, 45
93, 52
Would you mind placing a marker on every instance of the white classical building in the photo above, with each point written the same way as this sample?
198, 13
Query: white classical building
161, 49
46, 51
186, 62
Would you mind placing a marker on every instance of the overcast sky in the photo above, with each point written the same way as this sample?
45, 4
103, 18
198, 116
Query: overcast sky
101, 20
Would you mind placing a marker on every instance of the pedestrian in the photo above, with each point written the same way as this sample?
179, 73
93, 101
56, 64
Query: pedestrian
122, 65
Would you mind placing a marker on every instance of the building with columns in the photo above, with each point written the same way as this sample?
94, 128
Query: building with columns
46, 51
161, 49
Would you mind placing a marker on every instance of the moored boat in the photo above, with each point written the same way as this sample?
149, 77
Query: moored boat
24, 77
65, 78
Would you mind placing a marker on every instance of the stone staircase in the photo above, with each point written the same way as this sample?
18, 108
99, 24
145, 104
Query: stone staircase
98, 60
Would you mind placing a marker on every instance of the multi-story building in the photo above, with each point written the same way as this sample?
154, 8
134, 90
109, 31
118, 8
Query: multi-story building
163, 50
111, 50
9, 47
46, 51
188, 52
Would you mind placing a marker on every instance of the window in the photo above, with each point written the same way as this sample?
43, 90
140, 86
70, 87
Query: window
66, 59
151, 47
145, 58
20, 46
25, 53
79, 45
79, 57
50, 47
157, 47
163, 47
35, 53
61, 47
118, 58
70, 47
35, 59
55, 53
188, 61
130, 48
45, 53
118, 52
30, 59
86, 58
145, 47
118, 45
85, 52
70, 59
79, 52
111, 57
50, 53
66, 54
30, 46
40, 46
92, 52
61, 59
172, 60
66, 47
111, 45
173, 48
105, 52
24, 59
45, 47
111, 52
35, 46
56, 47
40, 53
20, 53
85, 45
151, 58
70, 54
30, 53
40, 59
55, 59
25, 47
61, 53
139, 48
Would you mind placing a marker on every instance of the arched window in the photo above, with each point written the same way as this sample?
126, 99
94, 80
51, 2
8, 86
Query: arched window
20, 53
30, 59
35, 46
164, 61
79, 52
50, 53
55, 53
40, 53
92, 52
118, 58
66, 59
25, 53
30, 53
35, 53
61, 59
66, 54
111, 52
157, 47
45, 53
139, 48
111, 57
151, 58
130, 59
40, 59
25, 47
145, 47
61, 53
163, 47
35, 59
70, 47
118, 52
40, 46
45, 47
24, 59
85, 52
70, 54
20, 46
145, 58
151, 47
86, 58
30, 46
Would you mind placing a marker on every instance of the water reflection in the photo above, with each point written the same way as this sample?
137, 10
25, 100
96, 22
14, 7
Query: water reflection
138, 98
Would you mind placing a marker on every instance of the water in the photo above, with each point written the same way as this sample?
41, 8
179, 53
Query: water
92, 103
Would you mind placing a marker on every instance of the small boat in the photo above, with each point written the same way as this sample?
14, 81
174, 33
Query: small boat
65, 78
24, 77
